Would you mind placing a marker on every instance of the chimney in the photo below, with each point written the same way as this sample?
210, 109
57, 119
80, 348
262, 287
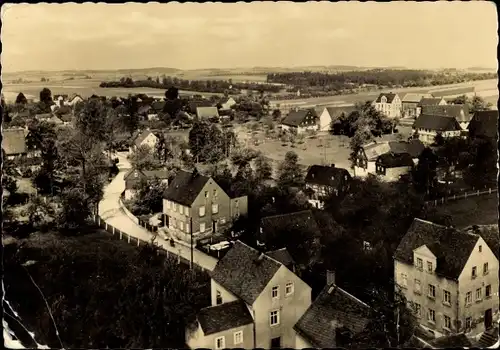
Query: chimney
330, 277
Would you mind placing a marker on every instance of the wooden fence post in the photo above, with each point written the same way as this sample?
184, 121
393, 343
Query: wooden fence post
478, 192
489, 190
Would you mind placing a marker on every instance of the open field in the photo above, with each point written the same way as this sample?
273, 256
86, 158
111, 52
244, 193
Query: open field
480, 210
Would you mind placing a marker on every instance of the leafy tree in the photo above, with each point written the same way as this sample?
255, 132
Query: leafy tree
40, 212
162, 149
143, 158
424, 173
289, 171
477, 103
243, 181
21, 99
149, 197
263, 169
75, 208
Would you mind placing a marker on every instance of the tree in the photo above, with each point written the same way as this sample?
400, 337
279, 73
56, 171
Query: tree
289, 171
424, 173
40, 212
162, 149
263, 169
46, 96
149, 197
75, 208
276, 115
21, 99
206, 142
172, 93
143, 158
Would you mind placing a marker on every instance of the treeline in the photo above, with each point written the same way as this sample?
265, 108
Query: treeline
213, 86
379, 77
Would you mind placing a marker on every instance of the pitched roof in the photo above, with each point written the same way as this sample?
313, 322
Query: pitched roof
160, 174
282, 255
61, 110
73, 96
14, 141
215, 319
451, 341
245, 272
194, 104
301, 220
326, 175
185, 187
484, 123
55, 120
459, 112
433, 101
43, 116
132, 171
333, 309
395, 160
451, 247
375, 149
158, 105
141, 137
389, 96
490, 234
415, 98
207, 112
295, 118
436, 123
337, 111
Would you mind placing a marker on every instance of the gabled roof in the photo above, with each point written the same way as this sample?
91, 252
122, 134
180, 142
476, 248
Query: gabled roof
375, 149
226, 100
194, 104
207, 112
301, 220
132, 171
333, 309
433, 101
459, 112
60, 110
160, 174
336, 111
245, 272
436, 123
484, 123
326, 175
295, 118
283, 256
73, 96
141, 137
451, 247
215, 319
415, 98
395, 160
490, 234
389, 96
14, 141
185, 187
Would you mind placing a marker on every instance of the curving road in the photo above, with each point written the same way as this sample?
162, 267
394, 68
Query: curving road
111, 212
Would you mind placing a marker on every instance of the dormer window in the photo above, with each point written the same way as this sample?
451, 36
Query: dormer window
419, 264
480, 248
429, 267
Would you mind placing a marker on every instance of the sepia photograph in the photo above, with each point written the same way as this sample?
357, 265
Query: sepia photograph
272, 175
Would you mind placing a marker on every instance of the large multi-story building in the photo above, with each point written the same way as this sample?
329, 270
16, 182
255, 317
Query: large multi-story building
450, 277
389, 104
256, 301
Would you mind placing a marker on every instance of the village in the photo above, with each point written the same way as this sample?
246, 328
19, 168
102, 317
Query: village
320, 207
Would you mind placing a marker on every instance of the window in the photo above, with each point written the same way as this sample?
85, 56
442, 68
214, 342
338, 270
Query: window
181, 225
417, 309
181, 209
274, 317
479, 294
468, 323
485, 269
480, 248
275, 292
447, 322
419, 264
431, 316
202, 211
238, 337
222, 221
218, 297
404, 280
418, 287
474, 272
206, 194
468, 298
215, 208
432, 291
215, 193
429, 266
220, 343
289, 289
169, 204
202, 227
487, 291
446, 297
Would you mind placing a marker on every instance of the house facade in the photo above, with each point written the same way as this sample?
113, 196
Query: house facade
430, 101
145, 138
410, 104
389, 104
331, 114
196, 204
299, 121
134, 177
458, 111
273, 295
16, 151
428, 126
450, 278
391, 166
227, 102
324, 181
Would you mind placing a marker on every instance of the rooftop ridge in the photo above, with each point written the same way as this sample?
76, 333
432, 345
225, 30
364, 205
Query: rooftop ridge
429, 222
349, 295
281, 215
219, 305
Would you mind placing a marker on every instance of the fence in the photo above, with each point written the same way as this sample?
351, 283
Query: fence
118, 234
127, 212
466, 195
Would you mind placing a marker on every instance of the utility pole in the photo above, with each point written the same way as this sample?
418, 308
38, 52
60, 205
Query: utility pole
191, 230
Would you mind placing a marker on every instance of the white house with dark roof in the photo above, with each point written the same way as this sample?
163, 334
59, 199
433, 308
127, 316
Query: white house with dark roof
410, 104
257, 285
144, 138
459, 111
207, 112
300, 120
134, 176
388, 104
323, 181
392, 166
330, 114
449, 276
430, 101
428, 126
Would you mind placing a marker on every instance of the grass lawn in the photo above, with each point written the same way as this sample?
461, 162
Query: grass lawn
479, 210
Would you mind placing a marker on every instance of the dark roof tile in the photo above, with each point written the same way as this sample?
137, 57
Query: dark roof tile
389, 96
302, 220
326, 175
484, 123
459, 112
395, 160
434, 101
215, 319
283, 256
185, 187
295, 118
436, 123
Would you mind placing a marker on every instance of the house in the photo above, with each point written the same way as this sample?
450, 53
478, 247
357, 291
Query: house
194, 104
195, 205
459, 112
16, 152
144, 138
330, 114
156, 109
134, 177
332, 321
74, 99
251, 281
227, 103
430, 101
410, 104
324, 181
300, 120
484, 124
43, 117
449, 277
428, 126
144, 111
388, 104
207, 112
64, 113
367, 155
391, 166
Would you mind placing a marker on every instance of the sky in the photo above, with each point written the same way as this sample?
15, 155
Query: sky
216, 35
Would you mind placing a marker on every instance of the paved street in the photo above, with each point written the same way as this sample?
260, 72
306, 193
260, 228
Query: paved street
110, 211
